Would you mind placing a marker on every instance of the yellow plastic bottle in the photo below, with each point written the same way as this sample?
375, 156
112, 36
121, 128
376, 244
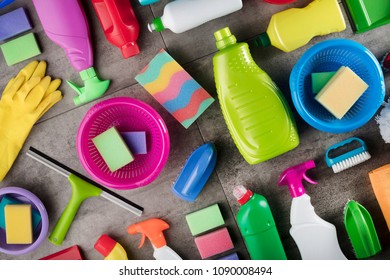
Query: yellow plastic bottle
293, 28
110, 249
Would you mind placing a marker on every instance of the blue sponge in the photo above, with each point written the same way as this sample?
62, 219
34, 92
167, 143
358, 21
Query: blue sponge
13, 24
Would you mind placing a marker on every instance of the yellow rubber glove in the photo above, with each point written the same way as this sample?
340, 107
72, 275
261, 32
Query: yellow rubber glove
24, 100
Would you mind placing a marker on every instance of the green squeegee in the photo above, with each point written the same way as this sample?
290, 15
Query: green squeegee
368, 14
82, 189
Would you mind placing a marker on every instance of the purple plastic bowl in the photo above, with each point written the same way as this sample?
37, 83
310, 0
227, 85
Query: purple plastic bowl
39, 234
126, 114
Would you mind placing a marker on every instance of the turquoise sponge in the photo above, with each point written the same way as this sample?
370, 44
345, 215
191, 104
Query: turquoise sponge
320, 79
113, 149
205, 219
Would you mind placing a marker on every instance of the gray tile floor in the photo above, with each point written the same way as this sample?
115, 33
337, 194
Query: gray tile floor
55, 135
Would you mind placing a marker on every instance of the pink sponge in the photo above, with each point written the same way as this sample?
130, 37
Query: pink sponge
214, 243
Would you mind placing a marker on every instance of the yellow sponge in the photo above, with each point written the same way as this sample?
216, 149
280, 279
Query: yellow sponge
341, 92
18, 224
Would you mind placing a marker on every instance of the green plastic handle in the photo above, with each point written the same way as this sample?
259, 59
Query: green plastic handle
81, 190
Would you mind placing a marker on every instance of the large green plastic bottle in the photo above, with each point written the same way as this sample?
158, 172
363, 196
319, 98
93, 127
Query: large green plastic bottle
255, 110
257, 226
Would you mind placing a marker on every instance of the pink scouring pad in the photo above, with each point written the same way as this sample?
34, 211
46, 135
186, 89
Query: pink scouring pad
214, 243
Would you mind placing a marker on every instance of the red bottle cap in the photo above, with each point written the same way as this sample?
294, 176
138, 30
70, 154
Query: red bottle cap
105, 244
242, 194
130, 49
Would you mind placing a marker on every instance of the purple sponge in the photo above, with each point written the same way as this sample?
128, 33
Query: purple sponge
13, 24
230, 257
135, 141
214, 243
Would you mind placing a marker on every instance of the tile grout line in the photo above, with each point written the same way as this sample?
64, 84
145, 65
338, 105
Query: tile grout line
161, 35
226, 197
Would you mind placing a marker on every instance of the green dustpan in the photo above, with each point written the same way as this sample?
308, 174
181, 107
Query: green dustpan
361, 230
368, 14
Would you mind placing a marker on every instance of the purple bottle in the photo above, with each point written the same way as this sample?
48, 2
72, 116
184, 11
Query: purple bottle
66, 25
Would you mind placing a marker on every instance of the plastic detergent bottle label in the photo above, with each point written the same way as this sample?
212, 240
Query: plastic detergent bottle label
293, 28
255, 111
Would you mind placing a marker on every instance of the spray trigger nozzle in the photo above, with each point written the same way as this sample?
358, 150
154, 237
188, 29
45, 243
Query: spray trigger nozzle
307, 179
293, 176
142, 241
152, 229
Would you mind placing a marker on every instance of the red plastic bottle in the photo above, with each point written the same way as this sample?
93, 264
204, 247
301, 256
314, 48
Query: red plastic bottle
119, 23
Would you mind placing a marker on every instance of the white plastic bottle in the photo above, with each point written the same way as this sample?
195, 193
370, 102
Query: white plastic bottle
316, 238
183, 15
165, 253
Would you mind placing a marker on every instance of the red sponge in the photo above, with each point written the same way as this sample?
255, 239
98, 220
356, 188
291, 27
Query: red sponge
214, 243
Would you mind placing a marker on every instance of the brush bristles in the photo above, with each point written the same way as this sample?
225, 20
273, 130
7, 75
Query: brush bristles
349, 162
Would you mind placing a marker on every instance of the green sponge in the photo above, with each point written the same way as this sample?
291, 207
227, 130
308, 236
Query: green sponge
20, 49
319, 80
205, 219
113, 149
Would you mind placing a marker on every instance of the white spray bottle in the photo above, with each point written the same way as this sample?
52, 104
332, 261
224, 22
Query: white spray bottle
153, 229
183, 15
316, 238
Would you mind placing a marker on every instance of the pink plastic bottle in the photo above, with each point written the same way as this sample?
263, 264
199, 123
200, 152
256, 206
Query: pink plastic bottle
65, 23
119, 23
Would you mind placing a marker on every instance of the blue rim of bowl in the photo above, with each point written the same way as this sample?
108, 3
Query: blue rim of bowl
297, 69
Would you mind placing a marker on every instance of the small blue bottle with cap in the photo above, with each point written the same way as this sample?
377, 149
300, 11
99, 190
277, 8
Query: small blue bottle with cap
196, 172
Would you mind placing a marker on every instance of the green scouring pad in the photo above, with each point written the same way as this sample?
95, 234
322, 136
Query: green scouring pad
205, 219
20, 49
113, 149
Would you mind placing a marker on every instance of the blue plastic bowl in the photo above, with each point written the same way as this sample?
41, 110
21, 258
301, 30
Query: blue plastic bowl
329, 56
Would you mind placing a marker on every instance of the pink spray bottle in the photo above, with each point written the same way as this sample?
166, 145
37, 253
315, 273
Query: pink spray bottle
316, 238
65, 23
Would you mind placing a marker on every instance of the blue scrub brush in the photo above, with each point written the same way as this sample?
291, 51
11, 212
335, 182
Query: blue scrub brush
350, 158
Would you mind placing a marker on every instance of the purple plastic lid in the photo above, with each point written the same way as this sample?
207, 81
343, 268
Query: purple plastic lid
39, 235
